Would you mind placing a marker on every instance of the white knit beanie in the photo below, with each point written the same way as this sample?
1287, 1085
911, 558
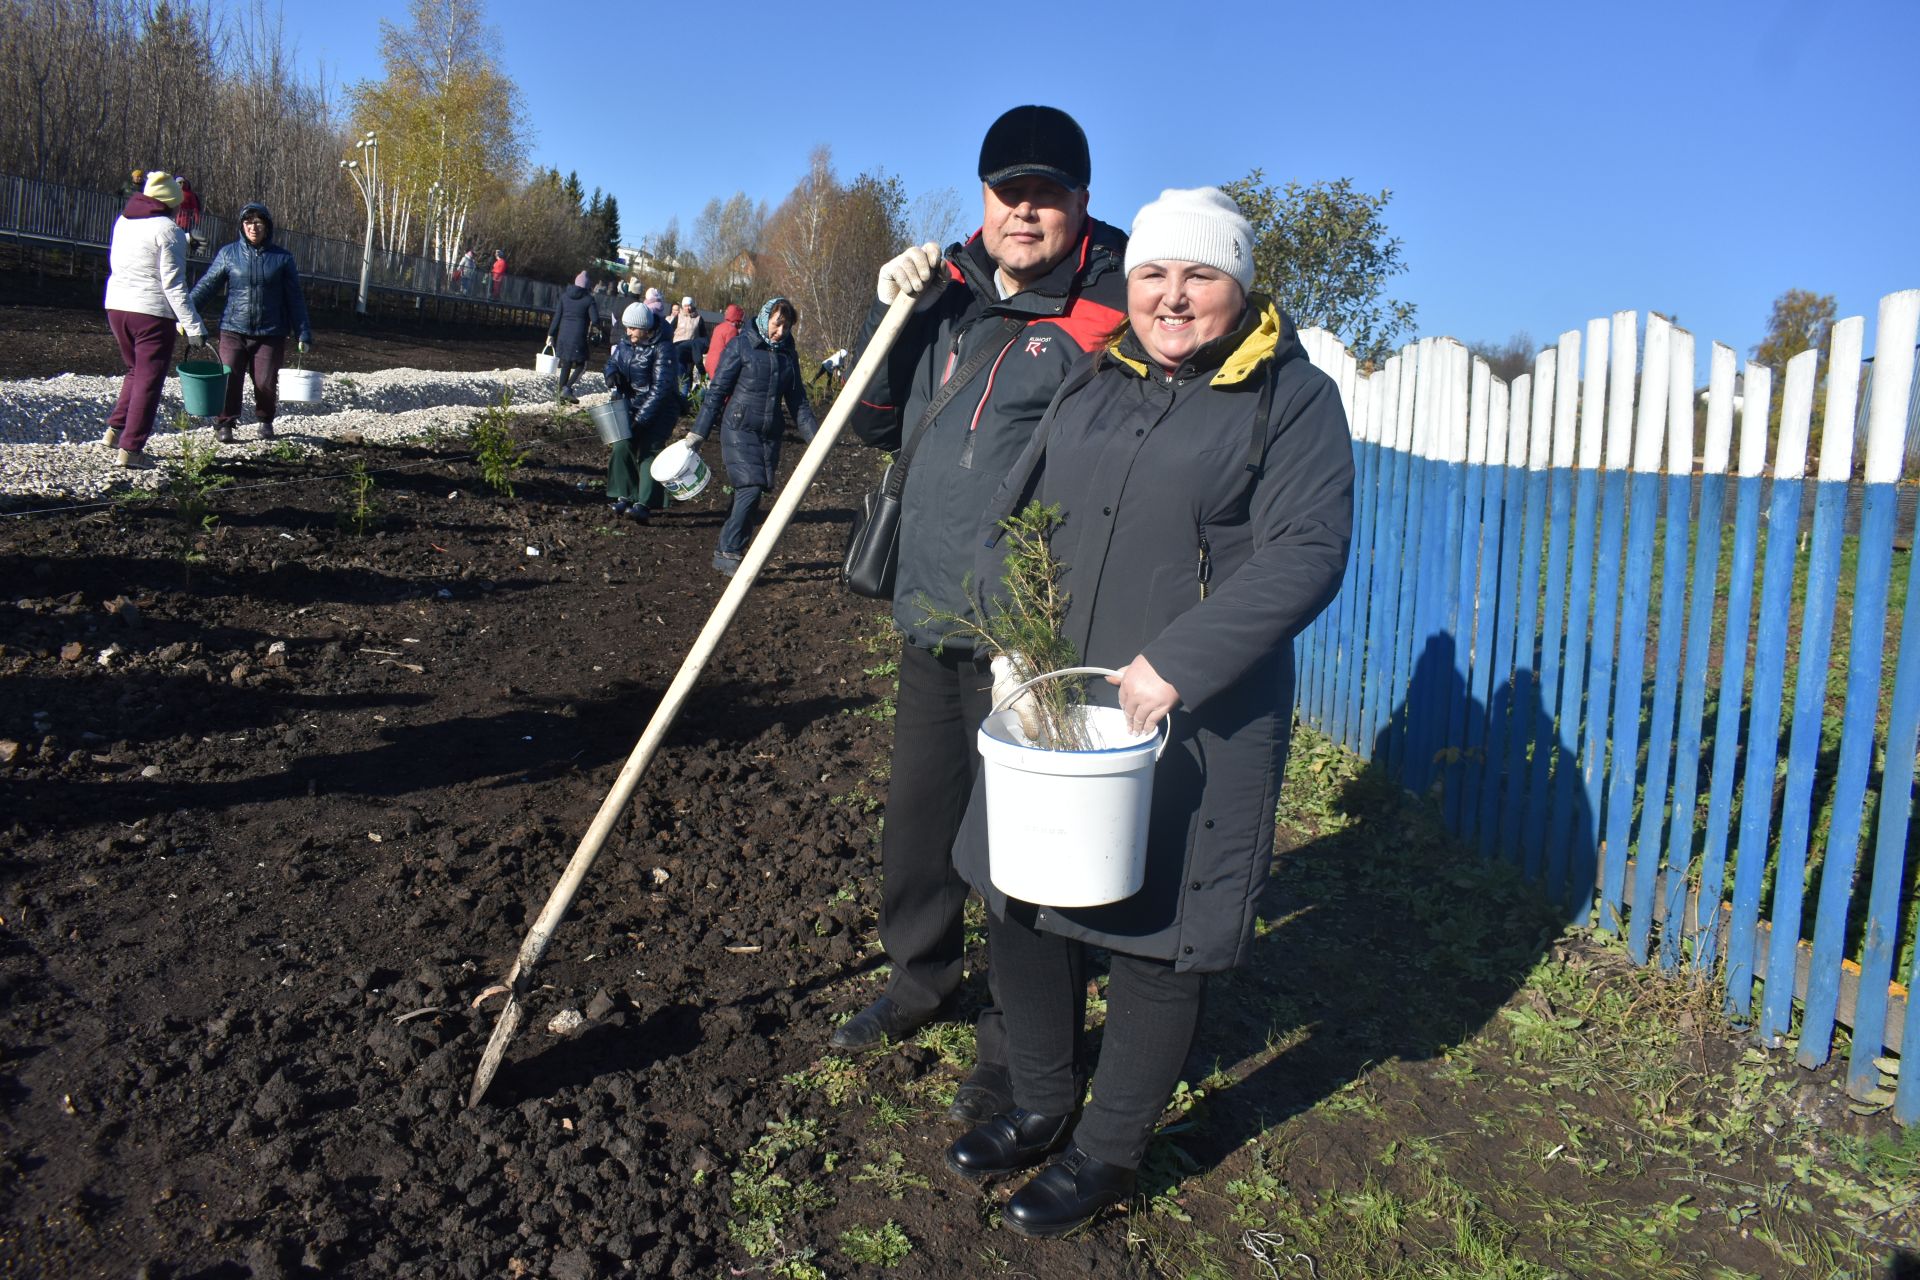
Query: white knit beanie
1200, 225
637, 316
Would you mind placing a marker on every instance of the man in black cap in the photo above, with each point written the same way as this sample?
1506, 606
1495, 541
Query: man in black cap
998, 321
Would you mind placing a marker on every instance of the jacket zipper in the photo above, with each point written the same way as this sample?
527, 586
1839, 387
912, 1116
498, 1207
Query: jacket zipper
1205, 567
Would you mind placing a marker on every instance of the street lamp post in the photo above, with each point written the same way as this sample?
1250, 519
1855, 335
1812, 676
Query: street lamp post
366, 177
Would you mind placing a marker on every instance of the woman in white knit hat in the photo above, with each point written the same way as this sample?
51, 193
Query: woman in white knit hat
1205, 477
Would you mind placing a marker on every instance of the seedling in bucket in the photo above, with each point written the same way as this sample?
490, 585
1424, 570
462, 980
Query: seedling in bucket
1024, 624
298, 385
1068, 828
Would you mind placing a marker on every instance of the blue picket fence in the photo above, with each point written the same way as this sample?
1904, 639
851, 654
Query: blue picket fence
1682, 728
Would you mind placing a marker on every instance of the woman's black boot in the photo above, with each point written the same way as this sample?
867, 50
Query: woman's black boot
1067, 1194
1014, 1140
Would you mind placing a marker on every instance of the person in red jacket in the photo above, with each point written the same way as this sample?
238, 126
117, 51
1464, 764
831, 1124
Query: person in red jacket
726, 331
499, 272
187, 216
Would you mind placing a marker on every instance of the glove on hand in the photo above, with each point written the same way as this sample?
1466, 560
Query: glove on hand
920, 270
1010, 671
305, 347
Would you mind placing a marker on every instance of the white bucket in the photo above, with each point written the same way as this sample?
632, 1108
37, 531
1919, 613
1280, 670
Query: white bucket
546, 362
298, 386
679, 468
1068, 828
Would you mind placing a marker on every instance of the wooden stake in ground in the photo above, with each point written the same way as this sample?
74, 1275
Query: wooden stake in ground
519, 979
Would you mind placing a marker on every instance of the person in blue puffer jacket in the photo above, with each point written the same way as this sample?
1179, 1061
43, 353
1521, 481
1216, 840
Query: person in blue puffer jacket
758, 372
643, 372
265, 306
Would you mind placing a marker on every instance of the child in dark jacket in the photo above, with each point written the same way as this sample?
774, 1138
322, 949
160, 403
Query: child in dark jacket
758, 372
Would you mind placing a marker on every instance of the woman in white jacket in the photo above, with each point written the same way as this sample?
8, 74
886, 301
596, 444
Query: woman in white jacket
146, 299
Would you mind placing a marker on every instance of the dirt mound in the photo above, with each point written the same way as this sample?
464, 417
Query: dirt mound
276, 816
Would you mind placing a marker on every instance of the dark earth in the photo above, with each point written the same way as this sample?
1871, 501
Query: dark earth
279, 801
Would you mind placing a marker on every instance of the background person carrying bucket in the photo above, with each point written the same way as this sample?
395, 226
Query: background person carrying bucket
1204, 478
641, 372
265, 305
574, 319
146, 299
757, 374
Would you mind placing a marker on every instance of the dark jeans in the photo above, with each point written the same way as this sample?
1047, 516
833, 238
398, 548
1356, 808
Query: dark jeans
737, 532
146, 343
249, 357
942, 700
687, 355
1152, 1012
569, 370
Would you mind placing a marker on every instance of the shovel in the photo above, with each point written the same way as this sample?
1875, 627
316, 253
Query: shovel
519, 979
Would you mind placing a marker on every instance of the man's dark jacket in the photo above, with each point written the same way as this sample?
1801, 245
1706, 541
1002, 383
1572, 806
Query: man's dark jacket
1035, 337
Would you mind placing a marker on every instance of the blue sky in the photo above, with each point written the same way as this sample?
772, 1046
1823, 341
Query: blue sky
1548, 163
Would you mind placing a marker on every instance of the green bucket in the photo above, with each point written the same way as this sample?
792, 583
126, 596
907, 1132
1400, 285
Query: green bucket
203, 387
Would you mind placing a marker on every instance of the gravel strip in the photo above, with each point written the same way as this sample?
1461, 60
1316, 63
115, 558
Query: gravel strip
50, 428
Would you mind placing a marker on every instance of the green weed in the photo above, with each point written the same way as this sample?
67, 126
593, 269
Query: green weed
833, 1077
882, 1246
891, 1177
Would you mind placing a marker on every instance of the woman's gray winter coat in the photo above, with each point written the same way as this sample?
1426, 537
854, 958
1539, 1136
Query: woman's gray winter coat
1204, 535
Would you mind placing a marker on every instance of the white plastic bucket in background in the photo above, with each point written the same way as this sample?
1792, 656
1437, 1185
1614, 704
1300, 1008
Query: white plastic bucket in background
546, 362
610, 420
679, 468
1068, 828
298, 386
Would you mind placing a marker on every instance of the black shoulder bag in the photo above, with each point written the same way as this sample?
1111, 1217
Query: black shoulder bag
873, 544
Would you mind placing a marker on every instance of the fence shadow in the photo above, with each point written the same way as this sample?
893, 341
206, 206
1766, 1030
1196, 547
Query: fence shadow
1388, 937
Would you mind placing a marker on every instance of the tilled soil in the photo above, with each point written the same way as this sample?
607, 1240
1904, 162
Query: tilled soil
260, 858
279, 801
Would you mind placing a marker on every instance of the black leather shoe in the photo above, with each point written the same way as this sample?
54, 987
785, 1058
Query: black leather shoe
881, 1023
1067, 1195
223, 432
1011, 1141
985, 1093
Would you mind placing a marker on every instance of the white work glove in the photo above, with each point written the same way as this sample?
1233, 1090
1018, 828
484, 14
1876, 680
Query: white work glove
1010, 671
920, 270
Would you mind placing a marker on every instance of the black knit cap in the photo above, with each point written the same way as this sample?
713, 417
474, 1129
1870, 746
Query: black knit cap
1043, 141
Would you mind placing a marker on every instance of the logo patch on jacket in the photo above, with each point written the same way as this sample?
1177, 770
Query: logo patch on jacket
1037, 346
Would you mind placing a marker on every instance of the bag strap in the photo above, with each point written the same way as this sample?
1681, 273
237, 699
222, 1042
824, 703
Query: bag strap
1257, 443
1010, 326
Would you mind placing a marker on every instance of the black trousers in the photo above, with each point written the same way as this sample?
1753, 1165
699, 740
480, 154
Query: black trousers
1152, 1013
942, 700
